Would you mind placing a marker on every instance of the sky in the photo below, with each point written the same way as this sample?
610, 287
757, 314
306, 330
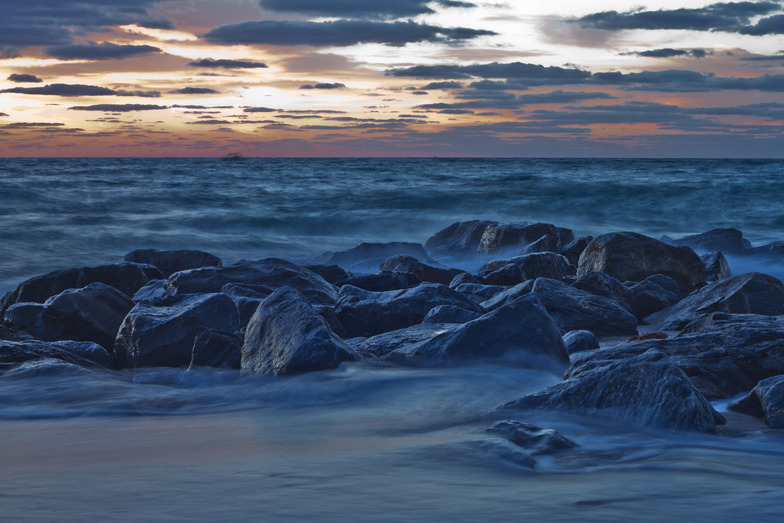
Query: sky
308, 78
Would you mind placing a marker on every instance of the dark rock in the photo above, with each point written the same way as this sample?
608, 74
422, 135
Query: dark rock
521, 332
423, 272
365, 313
750, 293
383, 281
286, 335
170, 262
213, 348
459, 239
766, 401
574, 249
629, 256
394, 345
163, 336
547, 243
125, 277
7, 334
27, 317
83, 353
641, 299
464, 277
366, 257
450, 314
508, 295
535, 440
573, 309
499, 237
154, 292
331, 273
647, 390
728, 241
498, 449
580, 341
478, 292
269, 274
718, 267
328, 313
247, 298
535, 265
506, 275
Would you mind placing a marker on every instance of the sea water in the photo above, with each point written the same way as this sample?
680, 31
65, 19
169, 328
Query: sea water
362, 442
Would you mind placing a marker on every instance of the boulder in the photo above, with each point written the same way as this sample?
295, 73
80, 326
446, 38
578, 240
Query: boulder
647, 390
547, 243
640, 298
535, 265
331, 273
717, 265
450, 314
457, 240
507, 295
394, 345
629, 256
286, 335
464, 277
83, 353
423, 272
506, 275
478, 292
154, 292
535, 440
499, 237
213, 348
383, 281
580, 341
163, 336
126, 277
766, 401
13, 335
574, 249
365, 313
366, 257
247, 298
750, 293
170, 262
729, 241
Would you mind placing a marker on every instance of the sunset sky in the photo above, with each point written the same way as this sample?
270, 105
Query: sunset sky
391, 78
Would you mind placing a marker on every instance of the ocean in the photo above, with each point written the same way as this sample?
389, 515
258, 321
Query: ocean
362, 442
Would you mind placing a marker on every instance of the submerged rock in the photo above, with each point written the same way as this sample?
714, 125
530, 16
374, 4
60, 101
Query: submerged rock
535, 440
170, 262
766, 401
366, 257
83, 353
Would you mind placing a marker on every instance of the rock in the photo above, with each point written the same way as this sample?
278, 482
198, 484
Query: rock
728, 241
535, 265
507, 295
520, 332
478, 292
641, 299
647, 390
573, 309
328, 313
547, 243
366, 257
125, 277
263, 275
629, 256
535, 440
450, 314
580, 341
457, 240
424, 273
766, 401
365, 313
750, 293
92, 313
331, 273
499, 237
464, 277
394, 345
286, 335
383, 281
506, 275
574, 249
154, 292
717, 265
83, 353
170, 262
247, 298
7, 334
213, 348
153, 336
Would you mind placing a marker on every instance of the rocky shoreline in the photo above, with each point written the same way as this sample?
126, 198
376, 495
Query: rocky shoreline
682, 330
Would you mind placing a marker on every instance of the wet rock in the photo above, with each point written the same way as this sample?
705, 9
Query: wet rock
423, 272
580, 341
717, 265
83, 353
547, 243
646, 390
766, 401
728, 241
499, 237
477, 292
125, 277
27, 317
328, 313
641, 299
383, 281
629, 256
573, 309
535, 440
366, 257
751, 293
394, 345
574, 249
535, 265
365, 313
459, 239
170, 262
154, 292
163, 336
331, 273
450, 314
7, 334
286, 335
269, 274
506, 275
464, 277
213, 348
507, 295
247, 298
498, 449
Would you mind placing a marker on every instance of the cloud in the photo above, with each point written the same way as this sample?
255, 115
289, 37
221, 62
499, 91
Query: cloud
323, 86
25, 125
358, 8
194, 90
443, 85
104, 51
340, 33
668, 52
3, 114
64, 90
773, 25
227, 64
24, 78
118, 108
560, 97
529, 74
259, 110
676, 80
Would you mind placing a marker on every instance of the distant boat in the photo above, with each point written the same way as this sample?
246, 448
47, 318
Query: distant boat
234, 157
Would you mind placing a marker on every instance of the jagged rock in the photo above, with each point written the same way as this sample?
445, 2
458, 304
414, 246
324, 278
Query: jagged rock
507, 295
170, 262
331, 273
766, 401
423, 272
286, 335
269, 274
464, 277
646, 390
521, 332
125, 277
154, 292
535, 265
163, 336
84, 353
506, 275
383, 281
213, 348
547, 243
750, 293
450, 314
573, 309
574, 249
535, 440
499, 237
728, 241
629, 256
328, 313
366, 257
365, 313
459, 239
247, 298
7, 334
92, 313
580, 341
394, 344
717, 265
641, 299
478, 292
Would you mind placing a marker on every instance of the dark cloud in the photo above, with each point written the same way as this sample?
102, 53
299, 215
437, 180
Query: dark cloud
104, 51
117, 108
682, 81
259, 110
202, 107
24, 78
339, 33
64, 90
725, 16
764, 58
668, 52
561, 97
25, 125
443, 85
358, 8
3, 114
194, 90
323, 86
228, 64
773, 25
529, 74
